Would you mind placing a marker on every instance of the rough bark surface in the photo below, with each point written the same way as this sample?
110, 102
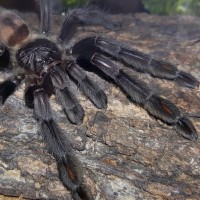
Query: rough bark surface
125, 153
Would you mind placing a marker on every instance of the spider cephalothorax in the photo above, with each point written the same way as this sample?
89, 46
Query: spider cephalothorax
37, 54
47, 70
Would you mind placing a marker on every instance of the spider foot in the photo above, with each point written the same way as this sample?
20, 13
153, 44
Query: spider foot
170, 114
70, 175
185, 79
8, 87
186, 129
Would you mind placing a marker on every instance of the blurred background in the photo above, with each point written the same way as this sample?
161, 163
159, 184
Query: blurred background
160, 7
173, 7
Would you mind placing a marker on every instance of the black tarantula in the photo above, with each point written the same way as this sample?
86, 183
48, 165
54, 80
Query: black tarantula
48, 69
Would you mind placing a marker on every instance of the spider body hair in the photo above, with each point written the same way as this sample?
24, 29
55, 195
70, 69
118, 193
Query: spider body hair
46, 69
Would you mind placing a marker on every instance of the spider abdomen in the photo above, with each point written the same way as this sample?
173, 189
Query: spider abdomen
13, 29
38, 55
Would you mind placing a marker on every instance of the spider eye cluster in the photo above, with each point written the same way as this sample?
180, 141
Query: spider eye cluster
38, 54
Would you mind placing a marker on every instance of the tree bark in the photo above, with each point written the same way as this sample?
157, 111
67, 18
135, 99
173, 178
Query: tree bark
125, 153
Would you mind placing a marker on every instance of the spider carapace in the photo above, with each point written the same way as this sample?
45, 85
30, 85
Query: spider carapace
47, 70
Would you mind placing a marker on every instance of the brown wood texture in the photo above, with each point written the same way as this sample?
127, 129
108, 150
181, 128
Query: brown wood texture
125, 153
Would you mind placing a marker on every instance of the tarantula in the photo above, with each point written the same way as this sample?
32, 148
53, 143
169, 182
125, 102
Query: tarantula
48, 69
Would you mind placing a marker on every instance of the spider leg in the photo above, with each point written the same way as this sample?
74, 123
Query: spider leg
66, 173
88, 87
45, 15
2, 49
4, 57
70, 105
142, 95
9, 86
138, 61
87, 16
57, 143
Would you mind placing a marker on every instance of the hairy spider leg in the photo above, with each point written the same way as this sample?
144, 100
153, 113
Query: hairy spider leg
87, 16
4, 57
145, 63
70, 105
2, 49
137, 90
46, 9
58, 145
36, 97
155, 105
87, 86
139, 61
9, 86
